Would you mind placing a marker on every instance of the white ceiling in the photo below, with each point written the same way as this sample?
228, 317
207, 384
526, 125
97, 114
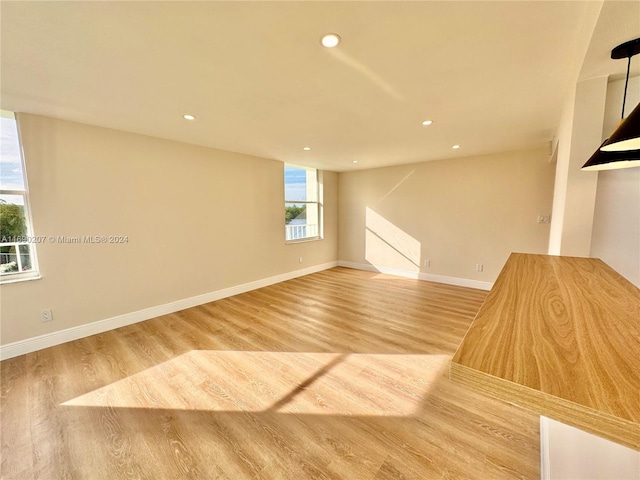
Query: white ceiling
491, 75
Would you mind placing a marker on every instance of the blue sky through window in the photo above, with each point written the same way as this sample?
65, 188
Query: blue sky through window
295, 183
10, 161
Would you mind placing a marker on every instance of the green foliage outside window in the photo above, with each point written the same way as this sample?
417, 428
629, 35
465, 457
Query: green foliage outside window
293, 212
12, 222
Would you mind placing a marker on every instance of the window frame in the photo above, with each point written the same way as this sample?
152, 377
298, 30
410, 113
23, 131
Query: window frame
34, 273
319, 202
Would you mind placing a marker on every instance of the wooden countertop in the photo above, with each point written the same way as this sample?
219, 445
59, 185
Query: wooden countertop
560, 336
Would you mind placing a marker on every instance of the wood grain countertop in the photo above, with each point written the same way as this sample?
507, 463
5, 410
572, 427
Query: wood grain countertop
560, 336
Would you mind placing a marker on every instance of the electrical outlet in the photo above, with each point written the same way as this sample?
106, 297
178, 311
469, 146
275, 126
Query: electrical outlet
46, 315
544, 218
479, 267
427, 263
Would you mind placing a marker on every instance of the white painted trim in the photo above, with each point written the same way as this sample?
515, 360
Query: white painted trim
429, 277
545, 455
47, 340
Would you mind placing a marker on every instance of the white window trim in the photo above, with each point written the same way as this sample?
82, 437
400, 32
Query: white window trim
34, 273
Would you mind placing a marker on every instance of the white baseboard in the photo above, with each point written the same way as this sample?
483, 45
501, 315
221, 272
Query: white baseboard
429, 277
33, 344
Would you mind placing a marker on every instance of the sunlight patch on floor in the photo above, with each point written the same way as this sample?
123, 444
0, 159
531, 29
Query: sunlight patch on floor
283, 382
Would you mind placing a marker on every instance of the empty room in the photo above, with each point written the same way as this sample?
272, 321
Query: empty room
301, 240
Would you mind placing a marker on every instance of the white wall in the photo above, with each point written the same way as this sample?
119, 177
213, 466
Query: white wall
455, 213
568, 453
616, 223
563, 139
575, 190
198, 220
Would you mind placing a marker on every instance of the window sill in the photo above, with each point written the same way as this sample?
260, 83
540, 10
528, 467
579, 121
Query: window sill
6, 281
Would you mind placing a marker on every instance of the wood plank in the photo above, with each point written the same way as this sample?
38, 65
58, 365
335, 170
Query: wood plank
14, 415
337, 375
561, 336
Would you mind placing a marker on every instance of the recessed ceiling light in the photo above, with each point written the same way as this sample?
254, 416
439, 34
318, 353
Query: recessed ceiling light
355, 161
427, 122
330, 40
188, 117
306, 149
455, 147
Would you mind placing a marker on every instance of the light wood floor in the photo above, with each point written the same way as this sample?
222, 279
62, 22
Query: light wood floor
341, 374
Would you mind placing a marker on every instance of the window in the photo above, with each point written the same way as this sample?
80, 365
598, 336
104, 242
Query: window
302, 204
17, 242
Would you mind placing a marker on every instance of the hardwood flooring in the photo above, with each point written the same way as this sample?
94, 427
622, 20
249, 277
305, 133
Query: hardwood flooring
342, 374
